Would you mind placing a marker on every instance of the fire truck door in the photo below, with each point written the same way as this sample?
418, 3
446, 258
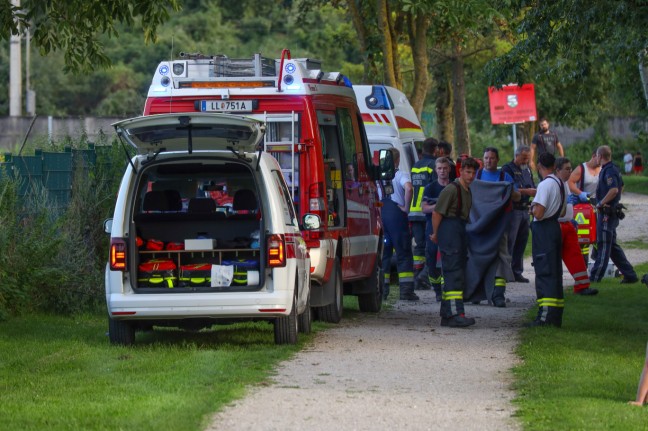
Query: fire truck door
333, 157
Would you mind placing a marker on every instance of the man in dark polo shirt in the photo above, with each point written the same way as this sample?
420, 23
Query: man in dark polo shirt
518, 235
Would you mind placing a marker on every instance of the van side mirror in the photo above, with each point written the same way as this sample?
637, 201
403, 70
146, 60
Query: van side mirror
386, 165
108, 225
312, 222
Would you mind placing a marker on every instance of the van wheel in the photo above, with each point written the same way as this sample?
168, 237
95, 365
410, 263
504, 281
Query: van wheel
285, 328
121, 332
371, 302
306, 318
332, 313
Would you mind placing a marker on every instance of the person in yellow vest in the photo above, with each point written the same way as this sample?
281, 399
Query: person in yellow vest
421, 174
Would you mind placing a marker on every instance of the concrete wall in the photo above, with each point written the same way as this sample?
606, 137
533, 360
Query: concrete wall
14, 129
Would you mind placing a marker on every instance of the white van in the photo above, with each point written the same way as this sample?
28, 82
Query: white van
204, 231
390, 121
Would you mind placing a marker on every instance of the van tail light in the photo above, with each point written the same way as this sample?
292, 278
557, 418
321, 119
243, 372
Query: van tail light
118, 254
276, 251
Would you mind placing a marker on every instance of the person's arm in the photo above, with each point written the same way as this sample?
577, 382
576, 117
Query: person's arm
537, 211
611, 194
409, 190
528, 191
574, 178
532, 164
561, 150
436, 222
642, 390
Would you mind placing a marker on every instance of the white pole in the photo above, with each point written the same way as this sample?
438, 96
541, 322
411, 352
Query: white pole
514, 138
15, 73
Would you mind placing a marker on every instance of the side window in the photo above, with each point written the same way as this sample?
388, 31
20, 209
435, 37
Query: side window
287, 208
348, 137
333, 159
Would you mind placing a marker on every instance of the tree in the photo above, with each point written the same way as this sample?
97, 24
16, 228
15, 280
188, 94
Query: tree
384, 29
74, 26
577, 44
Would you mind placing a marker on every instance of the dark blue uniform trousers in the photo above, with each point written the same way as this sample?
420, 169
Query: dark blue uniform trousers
546, 246
609, 249
518, 236
397, 236
453, 243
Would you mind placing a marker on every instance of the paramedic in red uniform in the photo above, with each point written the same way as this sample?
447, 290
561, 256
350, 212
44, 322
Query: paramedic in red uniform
608, 195
397, 235
570, 247
546, 243
449, 219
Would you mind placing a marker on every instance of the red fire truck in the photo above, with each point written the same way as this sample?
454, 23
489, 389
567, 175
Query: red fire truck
315, 130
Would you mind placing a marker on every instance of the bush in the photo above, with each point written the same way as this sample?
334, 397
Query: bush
53, 259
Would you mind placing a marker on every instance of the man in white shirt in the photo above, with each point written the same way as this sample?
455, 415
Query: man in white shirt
547, 206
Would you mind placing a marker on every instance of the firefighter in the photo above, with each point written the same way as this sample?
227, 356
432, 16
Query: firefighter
490, 172
570, 247
546, 243
430, 196
422, 174
397, 235
608, 195
449, 220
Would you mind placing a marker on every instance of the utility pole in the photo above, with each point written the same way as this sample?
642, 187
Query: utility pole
15, 72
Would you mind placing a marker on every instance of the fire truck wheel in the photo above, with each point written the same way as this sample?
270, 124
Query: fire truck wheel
332, 313
121, 332
285, 328
371, 302
306, 318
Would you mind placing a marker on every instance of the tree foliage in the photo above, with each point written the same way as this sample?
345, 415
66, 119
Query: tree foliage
589, 48
74, 26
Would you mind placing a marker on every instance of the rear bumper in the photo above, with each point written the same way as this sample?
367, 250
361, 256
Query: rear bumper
199, 305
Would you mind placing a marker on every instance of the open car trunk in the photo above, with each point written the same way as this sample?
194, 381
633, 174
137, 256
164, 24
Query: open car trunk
198, 225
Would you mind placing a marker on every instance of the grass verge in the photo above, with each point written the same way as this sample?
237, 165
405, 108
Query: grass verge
580, 377
635, 184
60, 373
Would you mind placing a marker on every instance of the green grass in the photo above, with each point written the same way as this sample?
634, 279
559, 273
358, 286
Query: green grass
635, 184
59, 373
581, 376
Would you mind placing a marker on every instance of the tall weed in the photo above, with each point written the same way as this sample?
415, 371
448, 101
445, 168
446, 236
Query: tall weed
52, 259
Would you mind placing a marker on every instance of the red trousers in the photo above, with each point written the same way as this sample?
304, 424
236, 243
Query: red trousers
571, 255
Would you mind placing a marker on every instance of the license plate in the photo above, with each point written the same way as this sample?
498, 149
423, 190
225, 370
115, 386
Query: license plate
226, 105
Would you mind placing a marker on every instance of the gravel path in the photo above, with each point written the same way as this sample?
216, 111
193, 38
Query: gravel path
400, 369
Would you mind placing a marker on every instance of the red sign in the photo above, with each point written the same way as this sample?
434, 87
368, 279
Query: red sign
512, 104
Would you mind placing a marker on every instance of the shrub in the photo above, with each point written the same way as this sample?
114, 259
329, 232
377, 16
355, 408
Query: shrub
52, 259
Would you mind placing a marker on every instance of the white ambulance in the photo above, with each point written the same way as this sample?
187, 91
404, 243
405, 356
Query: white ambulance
390, 121
204, 230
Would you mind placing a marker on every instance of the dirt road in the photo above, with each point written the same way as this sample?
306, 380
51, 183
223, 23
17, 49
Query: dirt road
401, 370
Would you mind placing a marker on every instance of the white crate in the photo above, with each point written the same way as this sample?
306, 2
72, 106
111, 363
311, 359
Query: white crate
200, 244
